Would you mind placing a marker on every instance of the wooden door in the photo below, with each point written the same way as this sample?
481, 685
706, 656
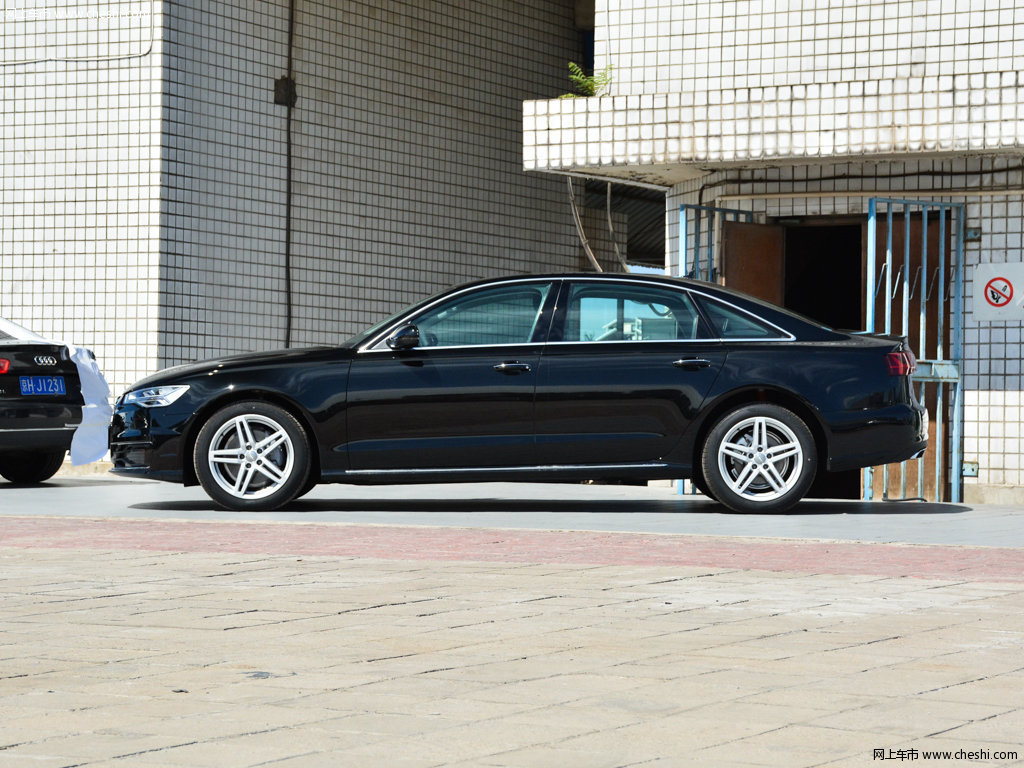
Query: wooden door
753, 259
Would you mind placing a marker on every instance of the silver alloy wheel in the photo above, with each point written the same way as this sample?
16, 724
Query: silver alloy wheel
251, 456
760, 459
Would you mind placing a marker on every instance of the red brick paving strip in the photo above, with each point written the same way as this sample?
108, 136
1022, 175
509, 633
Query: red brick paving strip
516, 546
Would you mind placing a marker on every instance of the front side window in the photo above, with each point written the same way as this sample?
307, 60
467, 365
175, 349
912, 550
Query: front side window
630, 313
506, 314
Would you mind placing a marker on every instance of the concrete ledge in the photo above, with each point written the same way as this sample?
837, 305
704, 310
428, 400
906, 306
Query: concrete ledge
95, 468
994, 494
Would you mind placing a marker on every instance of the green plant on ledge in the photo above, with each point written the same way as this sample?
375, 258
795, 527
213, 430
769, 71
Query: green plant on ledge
588, 85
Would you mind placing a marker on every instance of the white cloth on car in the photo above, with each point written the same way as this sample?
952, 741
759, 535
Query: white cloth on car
89, 442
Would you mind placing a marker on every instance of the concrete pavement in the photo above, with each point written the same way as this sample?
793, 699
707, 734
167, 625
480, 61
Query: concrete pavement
130, 639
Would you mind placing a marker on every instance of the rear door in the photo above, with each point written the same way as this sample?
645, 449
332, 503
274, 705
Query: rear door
624, 373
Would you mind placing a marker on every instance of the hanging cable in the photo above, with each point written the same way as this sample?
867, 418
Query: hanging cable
579, 227
288, 98
611, 228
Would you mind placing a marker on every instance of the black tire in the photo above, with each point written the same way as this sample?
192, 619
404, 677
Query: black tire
759, 458
32, 467
239, 474
700, 483
311, 482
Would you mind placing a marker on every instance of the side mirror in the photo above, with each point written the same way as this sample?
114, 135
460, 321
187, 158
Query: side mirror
406, 337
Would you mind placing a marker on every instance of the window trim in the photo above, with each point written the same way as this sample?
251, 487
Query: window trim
784, 335
555, 335
377, 343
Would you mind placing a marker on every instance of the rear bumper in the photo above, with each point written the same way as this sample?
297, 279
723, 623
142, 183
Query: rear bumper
883, 436
52, 439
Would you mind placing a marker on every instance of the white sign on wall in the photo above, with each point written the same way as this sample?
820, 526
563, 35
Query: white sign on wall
999, 292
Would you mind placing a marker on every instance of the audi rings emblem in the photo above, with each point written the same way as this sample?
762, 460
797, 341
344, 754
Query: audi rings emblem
45, 360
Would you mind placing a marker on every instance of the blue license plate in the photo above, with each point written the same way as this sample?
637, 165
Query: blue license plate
43, 385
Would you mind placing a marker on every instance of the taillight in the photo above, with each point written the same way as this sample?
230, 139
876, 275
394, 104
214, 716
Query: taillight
5, 365
901, 363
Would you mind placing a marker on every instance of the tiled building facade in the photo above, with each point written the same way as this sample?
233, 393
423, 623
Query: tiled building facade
143, 209
801, 111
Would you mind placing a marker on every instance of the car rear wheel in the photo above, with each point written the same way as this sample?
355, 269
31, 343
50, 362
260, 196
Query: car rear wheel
759, 458
252, 456
32, 467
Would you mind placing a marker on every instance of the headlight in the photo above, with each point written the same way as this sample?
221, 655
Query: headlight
155, 397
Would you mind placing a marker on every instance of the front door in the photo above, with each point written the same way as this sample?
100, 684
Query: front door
623, 375
464, 397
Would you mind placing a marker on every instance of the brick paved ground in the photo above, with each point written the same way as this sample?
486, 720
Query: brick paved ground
518, 546
188, 644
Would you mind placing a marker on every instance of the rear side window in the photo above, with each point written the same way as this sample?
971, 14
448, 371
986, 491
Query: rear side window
630, 313
732, 323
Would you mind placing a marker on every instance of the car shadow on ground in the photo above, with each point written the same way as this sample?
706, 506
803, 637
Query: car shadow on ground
677, 505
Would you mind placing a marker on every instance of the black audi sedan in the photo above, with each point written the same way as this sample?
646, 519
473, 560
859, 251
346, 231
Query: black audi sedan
40, 404
545, 378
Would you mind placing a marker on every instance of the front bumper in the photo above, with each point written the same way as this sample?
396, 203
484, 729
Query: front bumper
149, 442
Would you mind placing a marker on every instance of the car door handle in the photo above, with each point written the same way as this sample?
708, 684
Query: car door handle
513, 366
692, 363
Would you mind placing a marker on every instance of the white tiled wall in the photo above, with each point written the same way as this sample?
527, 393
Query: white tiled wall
142, 208
692, 46
407, 162
993, 376
79, 169
703, 83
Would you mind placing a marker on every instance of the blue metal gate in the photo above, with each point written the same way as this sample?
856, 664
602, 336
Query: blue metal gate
697, 256
915, 288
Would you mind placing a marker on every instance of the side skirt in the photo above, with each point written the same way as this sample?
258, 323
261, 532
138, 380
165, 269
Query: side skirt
531, 474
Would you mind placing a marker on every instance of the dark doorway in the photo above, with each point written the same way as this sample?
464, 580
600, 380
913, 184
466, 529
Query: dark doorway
823, 281
823, 273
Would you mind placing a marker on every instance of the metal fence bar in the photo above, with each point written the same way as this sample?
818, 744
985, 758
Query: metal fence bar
934, 369
958, 406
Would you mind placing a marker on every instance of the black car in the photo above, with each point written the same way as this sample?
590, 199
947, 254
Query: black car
557, 377
40, 404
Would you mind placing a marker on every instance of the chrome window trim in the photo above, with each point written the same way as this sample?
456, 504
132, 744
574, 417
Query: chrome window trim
456, 346
374, 345
785, 335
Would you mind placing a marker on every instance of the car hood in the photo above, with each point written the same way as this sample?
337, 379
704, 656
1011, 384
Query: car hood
235, 362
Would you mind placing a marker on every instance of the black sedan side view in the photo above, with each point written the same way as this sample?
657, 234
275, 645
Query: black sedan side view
40, 404
545, 378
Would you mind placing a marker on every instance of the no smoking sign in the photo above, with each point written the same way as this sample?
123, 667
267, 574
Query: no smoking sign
997, 292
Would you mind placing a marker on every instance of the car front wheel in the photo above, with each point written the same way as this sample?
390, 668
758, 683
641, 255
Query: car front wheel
252, 456
759, 458
31, 467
